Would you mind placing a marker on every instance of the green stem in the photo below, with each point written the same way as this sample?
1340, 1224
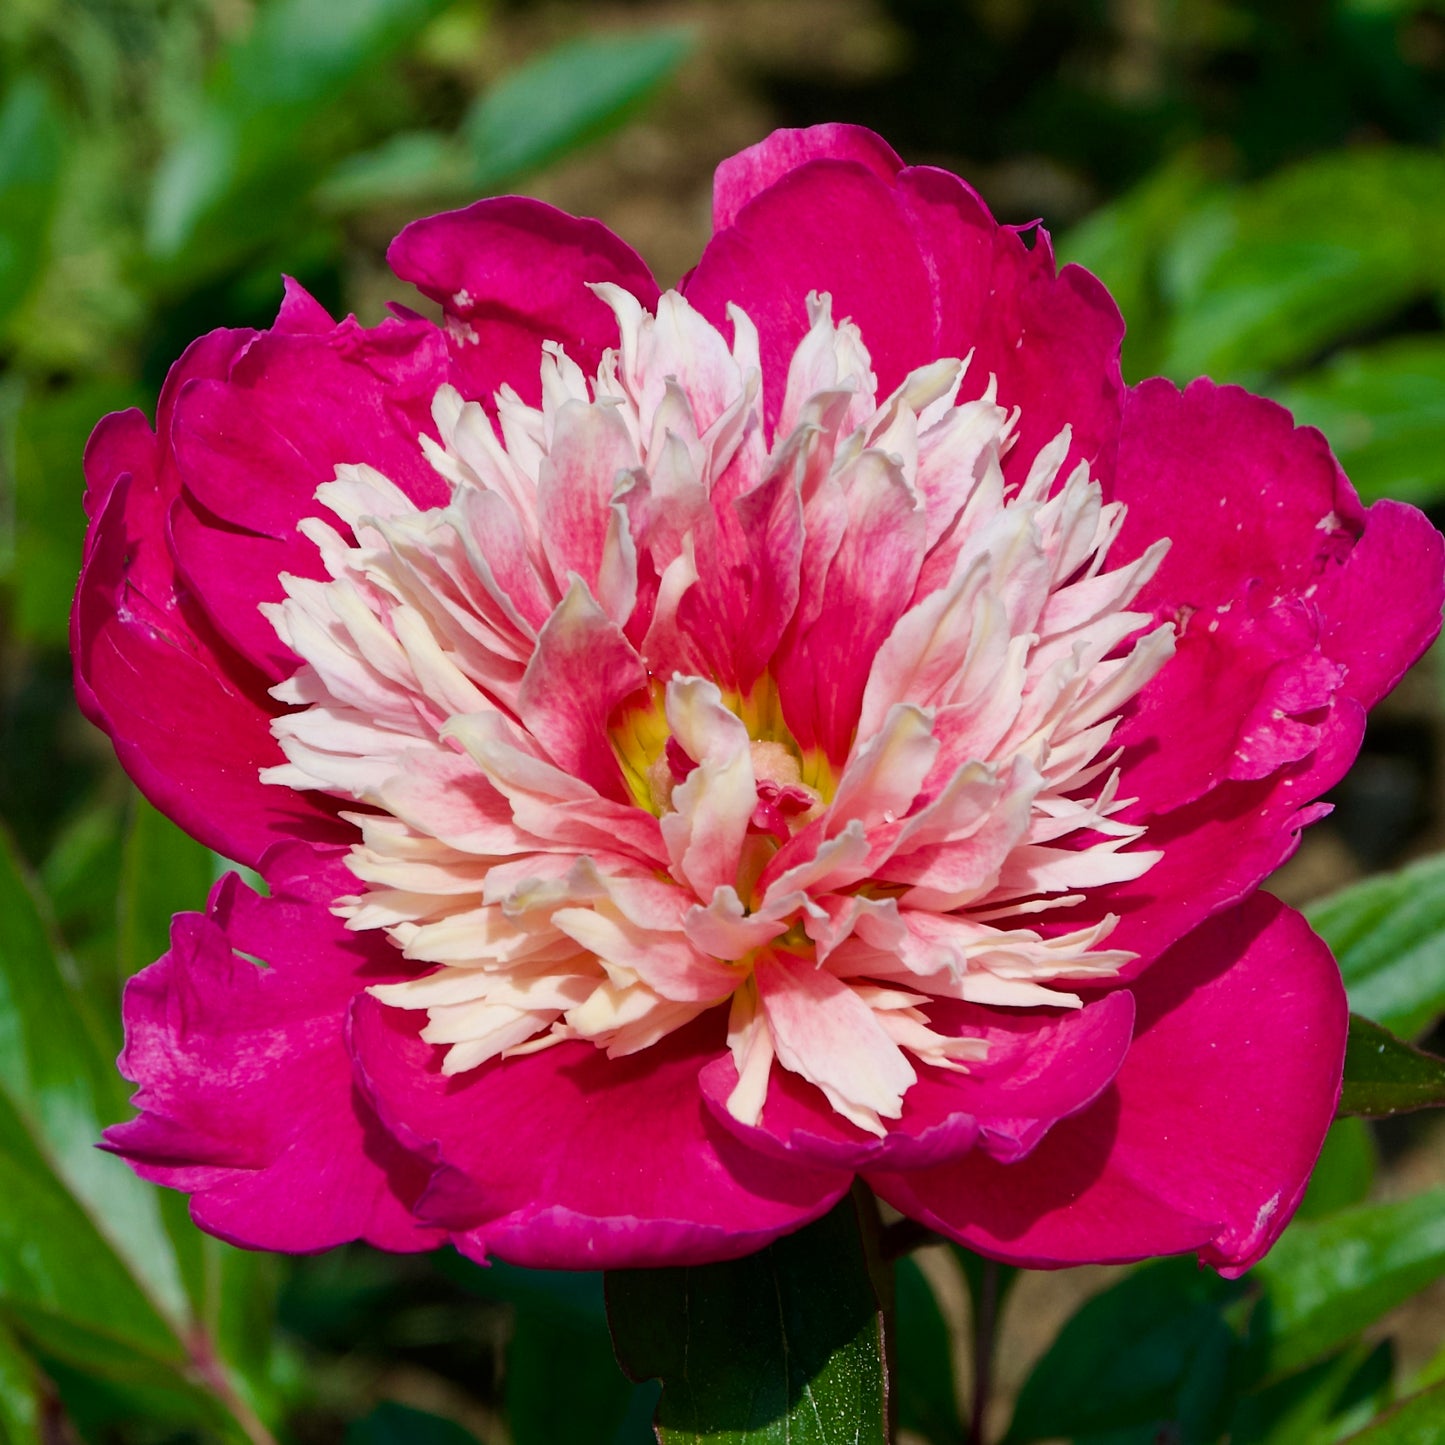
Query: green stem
985, 1331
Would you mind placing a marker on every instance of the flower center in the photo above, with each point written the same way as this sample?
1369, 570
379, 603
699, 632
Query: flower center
670, 709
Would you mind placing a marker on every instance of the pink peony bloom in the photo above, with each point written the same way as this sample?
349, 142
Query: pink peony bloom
705, 746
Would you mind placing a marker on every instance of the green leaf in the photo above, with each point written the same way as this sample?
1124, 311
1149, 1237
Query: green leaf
416, 167
267, 130
568, 97
393, 1424
50, 434
89, 1275
1383, 411
1327, 1280
1388, 934
1153, 1351
560, 1316
1317, 1405
1344, 1172
31, 148
1384, 1075
783, 1346
20, 1406
1303, 259
1420, 1420
164, 871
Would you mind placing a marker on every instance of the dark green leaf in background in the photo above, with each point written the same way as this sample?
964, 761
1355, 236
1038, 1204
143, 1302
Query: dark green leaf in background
20, 1395
1388, 934
571, 95
1420, 1420
1301, 259
1384, 1075
553, 105
1153, 1352
1317, 1405
163, 872
260, 137
1344, 1172
1383, 410
101, 1276
31, 145
783, 1346
1329, 1279
393, 1424
50, 431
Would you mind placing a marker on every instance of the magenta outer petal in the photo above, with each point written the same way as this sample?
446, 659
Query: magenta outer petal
741, 177
1381, 609
567, 1159
1296, 609
181, 710
917, 261
511, 273
831, 226
1218, 849
1052, 340
245, 1082
1207, 1137
1041, 1067
253, 448
1240, 490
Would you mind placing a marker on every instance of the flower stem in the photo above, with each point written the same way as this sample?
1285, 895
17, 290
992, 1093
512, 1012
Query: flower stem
986, 1298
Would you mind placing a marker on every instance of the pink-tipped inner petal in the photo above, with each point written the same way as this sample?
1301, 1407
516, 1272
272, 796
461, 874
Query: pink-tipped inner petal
666, 712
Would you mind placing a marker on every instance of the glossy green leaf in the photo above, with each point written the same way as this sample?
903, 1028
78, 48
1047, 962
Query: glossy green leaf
31, 150
90, 1273
1420, 1420
1384, 1075
1388, 934
1344, 1172
1153, 1352
59, 1088
1383, 411
393, 1424
1329, 1279
1303, 259
783, 1346
569, 96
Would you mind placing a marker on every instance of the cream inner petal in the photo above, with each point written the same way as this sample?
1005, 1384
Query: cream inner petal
574, 831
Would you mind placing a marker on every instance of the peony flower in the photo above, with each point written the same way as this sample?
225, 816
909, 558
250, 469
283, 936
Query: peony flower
704, 746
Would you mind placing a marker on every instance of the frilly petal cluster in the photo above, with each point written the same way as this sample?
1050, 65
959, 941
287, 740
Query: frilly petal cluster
704, 746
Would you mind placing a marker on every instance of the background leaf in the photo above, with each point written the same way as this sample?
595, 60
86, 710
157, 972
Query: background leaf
31, 145
1383, 410
1388, 934
569, 96
1151, 1353
1329, 1279
1384, 1075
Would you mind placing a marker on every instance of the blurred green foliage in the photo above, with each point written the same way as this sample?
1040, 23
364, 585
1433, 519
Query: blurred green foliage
1261, 183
